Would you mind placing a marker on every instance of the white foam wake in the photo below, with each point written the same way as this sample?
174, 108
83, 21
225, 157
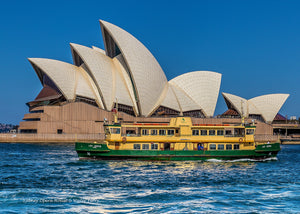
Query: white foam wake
242, 160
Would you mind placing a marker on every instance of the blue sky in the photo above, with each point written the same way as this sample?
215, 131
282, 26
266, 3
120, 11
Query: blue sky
254, 44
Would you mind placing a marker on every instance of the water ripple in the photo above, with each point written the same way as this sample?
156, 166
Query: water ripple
49, 178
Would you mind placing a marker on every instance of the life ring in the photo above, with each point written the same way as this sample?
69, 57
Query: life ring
241, 140
123, 139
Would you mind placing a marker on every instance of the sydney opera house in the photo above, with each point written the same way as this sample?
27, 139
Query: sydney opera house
76, 98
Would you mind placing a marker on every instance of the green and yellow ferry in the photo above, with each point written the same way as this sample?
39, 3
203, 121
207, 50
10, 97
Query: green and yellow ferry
178, 140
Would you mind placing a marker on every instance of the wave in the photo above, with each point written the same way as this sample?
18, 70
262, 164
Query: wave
242, 160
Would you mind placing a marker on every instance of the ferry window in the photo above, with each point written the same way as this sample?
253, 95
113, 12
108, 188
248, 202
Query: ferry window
145, 147
115, 130
167, 146
228, 147
220, 146
137, 146
250, 131
236, 146
162, 132
239, 132
145, 132
153, 132
228, 132
195, 132
212, 132
203, 132
130, 132
170, 132
220, 132
154, 146
212, 146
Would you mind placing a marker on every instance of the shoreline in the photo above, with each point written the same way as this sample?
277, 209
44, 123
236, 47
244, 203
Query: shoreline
50, 138
290, 143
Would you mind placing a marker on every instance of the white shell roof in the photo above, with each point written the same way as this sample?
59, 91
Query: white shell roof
167, 99
123, 87
99, 49
135, 78
266, 105
269, 105
202, 87
101, 69
70, 79
148, 77
239, 103
83, 79
186, 103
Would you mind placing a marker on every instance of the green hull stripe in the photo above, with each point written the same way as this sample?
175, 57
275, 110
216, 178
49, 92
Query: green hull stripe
92, 150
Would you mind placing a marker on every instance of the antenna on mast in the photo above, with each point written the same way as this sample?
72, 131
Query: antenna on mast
242, 111
181, 113
115, 111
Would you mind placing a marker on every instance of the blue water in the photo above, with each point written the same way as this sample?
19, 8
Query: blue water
51, 179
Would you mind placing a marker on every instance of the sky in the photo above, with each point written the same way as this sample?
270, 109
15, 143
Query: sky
255, 45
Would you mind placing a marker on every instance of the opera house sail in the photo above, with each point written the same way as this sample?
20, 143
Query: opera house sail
78, 97
264, 107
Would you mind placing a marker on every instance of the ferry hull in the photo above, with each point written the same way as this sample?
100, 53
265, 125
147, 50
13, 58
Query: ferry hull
102, 152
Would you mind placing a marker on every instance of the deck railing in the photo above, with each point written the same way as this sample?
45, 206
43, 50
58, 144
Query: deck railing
234, 135
132, 135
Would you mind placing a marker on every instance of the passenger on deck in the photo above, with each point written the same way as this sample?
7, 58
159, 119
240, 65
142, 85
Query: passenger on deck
200, 146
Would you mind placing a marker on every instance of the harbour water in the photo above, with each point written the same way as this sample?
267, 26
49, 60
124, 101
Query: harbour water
37, 178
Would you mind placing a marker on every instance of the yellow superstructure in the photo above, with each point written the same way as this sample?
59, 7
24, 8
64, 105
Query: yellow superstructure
180, 134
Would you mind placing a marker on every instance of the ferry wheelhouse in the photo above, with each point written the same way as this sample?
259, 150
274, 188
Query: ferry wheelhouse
177, 140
